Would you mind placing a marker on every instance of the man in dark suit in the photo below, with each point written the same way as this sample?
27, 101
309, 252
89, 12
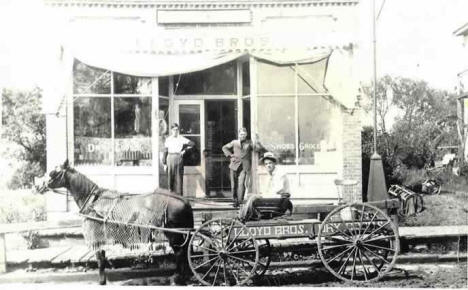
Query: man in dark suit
240, 151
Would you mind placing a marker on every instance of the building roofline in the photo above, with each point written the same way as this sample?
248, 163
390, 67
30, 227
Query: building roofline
463, 30
197, 4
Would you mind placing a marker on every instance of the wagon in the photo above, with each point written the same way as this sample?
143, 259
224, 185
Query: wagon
355, 242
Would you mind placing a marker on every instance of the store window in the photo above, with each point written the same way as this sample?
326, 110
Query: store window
132, 125
296, 116
92, 131
218, 80
113, 126
276, 129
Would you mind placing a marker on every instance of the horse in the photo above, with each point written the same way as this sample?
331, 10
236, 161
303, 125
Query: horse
114, 218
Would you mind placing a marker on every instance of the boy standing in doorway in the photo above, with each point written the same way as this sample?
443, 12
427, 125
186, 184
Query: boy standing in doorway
239, 151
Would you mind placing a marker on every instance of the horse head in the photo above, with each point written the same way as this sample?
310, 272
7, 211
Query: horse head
56, 179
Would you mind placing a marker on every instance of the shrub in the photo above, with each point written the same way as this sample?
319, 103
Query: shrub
20, 206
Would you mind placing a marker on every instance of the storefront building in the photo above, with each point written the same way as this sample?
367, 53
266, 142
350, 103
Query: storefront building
126, 70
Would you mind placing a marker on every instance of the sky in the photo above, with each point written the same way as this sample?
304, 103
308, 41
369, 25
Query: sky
414, 39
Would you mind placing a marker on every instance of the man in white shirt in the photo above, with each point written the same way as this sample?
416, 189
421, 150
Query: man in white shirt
276, 192
174, 149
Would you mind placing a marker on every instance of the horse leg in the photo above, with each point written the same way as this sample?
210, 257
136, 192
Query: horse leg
176, 241
101, 260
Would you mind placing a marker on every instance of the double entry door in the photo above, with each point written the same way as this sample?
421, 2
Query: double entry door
210, 124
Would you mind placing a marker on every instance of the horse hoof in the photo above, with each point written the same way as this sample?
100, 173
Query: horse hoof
102, 282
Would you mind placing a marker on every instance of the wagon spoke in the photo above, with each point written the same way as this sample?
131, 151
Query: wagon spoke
229, 231
209, 270
372, 262
236, 246
234, 275
343, 266
377, 255
240, 259
361, 220
206, 262
378, 247
339, 255
199, 256
369, 223
363, 266
336, 246
233, 240
243, 252
353, 271
207, 249
216, 274
377, 229
379, 238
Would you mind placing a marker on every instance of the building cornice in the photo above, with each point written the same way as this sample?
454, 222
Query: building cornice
197, 4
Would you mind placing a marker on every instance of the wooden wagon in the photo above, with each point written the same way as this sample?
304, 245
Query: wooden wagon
356, 242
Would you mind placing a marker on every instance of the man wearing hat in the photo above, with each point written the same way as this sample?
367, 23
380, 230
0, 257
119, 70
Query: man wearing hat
275, 191
174, 149
240, 151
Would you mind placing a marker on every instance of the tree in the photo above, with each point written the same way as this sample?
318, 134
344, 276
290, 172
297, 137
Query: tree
24, 125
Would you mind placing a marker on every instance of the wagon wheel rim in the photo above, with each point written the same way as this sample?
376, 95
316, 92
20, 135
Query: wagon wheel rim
358, 243
264, 249
222, 252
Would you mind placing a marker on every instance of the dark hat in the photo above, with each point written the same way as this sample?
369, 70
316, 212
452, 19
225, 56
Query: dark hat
269, 155
174, 125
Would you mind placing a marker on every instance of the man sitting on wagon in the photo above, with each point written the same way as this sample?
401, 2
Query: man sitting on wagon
273, 201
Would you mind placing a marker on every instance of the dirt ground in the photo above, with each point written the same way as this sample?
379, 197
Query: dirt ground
451, 275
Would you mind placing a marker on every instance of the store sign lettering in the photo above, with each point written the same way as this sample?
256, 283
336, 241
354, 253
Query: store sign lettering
189, 43
291, 146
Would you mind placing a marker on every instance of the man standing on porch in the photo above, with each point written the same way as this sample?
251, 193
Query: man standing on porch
240, 151
175, 147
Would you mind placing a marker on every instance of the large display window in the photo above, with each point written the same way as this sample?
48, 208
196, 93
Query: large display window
297, 120
111, 117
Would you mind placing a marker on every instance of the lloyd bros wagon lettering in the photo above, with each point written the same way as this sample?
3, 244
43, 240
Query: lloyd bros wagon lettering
274, 231
353, 226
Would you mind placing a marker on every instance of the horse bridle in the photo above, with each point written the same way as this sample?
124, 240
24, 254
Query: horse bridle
59, 177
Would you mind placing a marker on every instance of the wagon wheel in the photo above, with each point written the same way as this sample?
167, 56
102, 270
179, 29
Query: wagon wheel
264, 259
358, 242
223, 252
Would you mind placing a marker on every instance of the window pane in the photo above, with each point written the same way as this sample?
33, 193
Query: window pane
189, 118
218, 80
125, 84
90, 80
317, 137
245, 79
311, 77
274, 79
276, 130
92, 131
163, 86
132, 131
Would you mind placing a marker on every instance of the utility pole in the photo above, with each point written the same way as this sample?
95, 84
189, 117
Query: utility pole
377, 188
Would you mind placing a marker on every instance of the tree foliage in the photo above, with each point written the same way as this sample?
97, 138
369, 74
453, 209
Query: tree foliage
24, 125
425, 118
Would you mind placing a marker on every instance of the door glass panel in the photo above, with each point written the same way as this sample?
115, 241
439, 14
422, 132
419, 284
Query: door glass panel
163, 120
221, 128
189, 124
189, 118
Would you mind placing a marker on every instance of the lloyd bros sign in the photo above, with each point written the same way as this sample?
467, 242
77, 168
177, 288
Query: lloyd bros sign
304, 229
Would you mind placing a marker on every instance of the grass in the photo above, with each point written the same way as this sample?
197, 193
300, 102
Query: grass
450, 207
19, 206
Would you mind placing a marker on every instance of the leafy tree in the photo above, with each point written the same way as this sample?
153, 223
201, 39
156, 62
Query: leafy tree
24, 125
